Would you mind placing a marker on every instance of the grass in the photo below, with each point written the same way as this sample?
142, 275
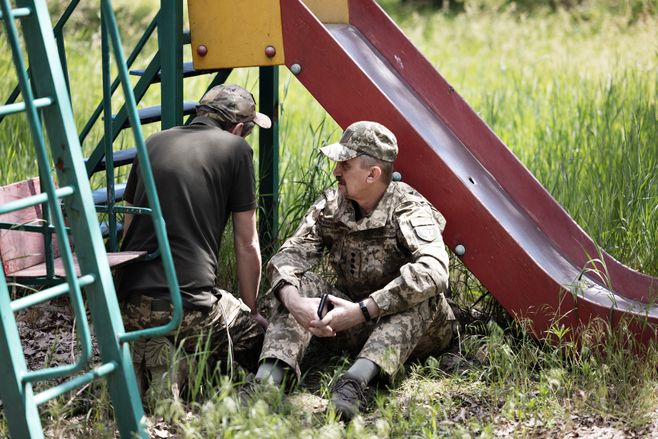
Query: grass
573, 93
504, 382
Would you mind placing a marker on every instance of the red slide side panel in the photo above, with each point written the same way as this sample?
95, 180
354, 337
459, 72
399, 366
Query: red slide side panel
348, 95
510, 173
496, 253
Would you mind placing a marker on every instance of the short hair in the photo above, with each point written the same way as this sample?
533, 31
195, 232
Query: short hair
367, 161
248, 127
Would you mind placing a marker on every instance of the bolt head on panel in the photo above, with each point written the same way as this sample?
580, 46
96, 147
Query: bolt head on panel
296, 69
270, 51
202, 50
396, 176
460, 250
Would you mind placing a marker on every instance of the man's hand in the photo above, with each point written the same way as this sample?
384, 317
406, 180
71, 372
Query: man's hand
258, 318
345, 315
303, 309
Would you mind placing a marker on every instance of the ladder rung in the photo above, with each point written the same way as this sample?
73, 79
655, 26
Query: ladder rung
34, 200
154, 114
100, 195
29, 227
119, 158
105, 229
20, 106
18, 12
188, 72
50, 293
74, 383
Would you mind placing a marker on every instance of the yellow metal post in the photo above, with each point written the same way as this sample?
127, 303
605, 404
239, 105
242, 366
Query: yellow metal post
235, 33
245, 34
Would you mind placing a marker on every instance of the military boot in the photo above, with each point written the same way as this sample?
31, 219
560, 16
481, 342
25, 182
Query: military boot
348, 396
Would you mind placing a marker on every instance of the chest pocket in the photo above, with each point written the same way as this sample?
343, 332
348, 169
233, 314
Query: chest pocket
370, 259
333, 234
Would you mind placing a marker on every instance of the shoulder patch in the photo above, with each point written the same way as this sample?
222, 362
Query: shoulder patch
425, 228
427, 233
421, 221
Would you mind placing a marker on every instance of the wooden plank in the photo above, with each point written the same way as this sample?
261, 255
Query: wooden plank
23, 253
21, 249
39, 270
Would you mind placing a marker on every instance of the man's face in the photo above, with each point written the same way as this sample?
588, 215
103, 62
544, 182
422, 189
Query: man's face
351, 178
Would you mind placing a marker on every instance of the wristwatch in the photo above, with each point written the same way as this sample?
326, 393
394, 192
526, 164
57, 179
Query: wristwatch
364, 310
282, 283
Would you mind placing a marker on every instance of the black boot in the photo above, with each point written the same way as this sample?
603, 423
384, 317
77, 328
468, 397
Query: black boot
348, 396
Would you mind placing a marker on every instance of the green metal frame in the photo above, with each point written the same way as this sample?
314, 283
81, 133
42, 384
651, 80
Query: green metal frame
45, 48
40, 43
52, 195
75, 192
268, 160
170, 43
58, 30
20, 408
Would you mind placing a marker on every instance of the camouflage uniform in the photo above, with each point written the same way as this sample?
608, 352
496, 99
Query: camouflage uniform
395, 255
227, 330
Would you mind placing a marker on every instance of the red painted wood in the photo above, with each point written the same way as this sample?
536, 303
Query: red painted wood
507, 249
510, 173
23, 253
20, 249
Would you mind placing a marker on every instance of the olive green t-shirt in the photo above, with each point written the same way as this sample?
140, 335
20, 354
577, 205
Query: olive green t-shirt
202, 174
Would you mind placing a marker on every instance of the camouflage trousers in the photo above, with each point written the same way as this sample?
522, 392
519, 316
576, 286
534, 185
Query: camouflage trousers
224, 333
389, 341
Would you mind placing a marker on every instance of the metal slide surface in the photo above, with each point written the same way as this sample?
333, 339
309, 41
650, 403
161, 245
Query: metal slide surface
520, 243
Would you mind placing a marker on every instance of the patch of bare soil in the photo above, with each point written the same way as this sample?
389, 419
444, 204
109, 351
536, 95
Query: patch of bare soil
48, 335
577, 426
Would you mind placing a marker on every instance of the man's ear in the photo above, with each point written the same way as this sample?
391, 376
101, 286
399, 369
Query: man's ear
375, 173
237, 129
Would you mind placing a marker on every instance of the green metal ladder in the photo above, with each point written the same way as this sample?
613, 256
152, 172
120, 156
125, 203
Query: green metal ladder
167, 68
49, 102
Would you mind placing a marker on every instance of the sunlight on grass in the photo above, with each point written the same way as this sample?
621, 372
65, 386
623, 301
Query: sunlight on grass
573, 93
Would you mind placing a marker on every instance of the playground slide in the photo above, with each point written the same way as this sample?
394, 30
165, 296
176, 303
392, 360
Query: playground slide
519, 242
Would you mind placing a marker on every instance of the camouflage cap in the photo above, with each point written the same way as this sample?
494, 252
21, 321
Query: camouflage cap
234, 104
369, 138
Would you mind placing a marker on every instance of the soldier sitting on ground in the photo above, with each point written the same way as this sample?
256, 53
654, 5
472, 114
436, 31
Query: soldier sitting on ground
384, 243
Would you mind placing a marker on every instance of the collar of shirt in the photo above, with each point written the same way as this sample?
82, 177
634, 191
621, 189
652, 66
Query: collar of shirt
205, 120
342, 210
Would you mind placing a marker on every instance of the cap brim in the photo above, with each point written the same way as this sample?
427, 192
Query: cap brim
262, 121
338, 152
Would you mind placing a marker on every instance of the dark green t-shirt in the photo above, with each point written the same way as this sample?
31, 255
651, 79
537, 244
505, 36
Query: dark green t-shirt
202, 174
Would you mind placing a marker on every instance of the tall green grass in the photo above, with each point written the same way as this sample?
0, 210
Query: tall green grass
573, 94
575, 100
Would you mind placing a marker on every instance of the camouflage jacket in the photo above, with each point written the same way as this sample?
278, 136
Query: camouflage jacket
395, 255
